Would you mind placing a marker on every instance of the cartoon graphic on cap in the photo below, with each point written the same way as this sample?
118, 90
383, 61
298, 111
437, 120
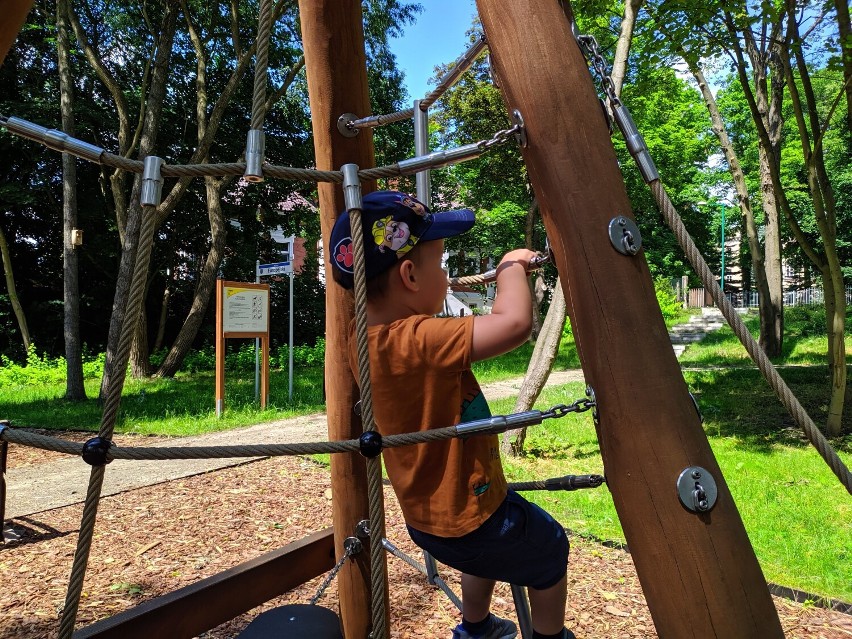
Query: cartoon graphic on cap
393, 235
344, 254
414, 205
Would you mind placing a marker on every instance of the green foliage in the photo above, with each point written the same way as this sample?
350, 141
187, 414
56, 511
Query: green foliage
809, 321
805, 343
667, 299
42, 369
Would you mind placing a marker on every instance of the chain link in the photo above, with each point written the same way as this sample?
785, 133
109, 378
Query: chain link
350, 548
591, 49
501, 137
561, 410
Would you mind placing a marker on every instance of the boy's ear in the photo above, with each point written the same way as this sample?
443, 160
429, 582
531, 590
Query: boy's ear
406, 270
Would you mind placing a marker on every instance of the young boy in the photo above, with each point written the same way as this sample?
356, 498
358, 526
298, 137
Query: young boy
452, 493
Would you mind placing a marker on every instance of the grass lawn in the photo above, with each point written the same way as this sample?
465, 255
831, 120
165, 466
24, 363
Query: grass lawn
797, 514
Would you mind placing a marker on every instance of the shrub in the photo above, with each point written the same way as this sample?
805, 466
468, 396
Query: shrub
809, 321
43, 370
666, 298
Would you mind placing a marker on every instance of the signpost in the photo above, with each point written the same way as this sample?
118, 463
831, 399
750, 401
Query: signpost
294, 253
278, 268
242, 310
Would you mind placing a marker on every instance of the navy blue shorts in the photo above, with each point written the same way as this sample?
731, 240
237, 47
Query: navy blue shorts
520, 544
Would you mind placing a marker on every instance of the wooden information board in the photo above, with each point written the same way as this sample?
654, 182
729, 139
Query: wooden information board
242, 310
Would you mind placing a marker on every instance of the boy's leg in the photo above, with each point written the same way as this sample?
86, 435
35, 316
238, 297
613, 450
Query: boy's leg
547, 607
476, 597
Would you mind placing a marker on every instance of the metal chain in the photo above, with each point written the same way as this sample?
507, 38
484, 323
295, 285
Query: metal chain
351, 546
501, 137
590, 48
561, 410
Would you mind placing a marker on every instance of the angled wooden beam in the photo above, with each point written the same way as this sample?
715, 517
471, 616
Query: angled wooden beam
192, 610
14, 14
697, 569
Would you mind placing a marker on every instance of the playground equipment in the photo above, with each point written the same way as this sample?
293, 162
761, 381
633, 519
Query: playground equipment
693, 557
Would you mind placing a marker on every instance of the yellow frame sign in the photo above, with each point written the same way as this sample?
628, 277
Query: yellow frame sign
242, 310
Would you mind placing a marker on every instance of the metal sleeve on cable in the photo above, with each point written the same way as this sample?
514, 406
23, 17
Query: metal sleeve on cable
56, 140
635, 143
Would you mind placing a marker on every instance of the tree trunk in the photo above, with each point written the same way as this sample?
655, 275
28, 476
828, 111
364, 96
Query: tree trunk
13, 293
768, 91
845, 31
164, 313
529, 227
206, 282
622, 48
772, 313
207, 127
74, 388
541, 363
140, 367
147, 143
822, 198
771, 326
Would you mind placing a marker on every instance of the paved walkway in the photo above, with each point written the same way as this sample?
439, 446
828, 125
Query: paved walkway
35, 489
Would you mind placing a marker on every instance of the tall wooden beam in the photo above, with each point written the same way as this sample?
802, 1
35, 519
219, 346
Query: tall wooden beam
335, 61
14, 14
698, 571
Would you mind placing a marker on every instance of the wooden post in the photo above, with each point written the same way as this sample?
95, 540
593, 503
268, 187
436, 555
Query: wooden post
4, 451
220, 351
335, 62
14, 14
698, 571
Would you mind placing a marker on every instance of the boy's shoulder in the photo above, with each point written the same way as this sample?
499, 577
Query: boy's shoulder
431, 340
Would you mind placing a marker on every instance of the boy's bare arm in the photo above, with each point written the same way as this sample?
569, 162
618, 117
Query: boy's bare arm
510, 321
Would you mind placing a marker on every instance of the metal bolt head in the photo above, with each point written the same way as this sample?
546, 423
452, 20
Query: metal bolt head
696, 474
622, 221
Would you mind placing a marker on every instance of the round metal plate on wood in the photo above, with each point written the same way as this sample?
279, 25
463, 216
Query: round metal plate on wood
624, 235
697, 489
343, 125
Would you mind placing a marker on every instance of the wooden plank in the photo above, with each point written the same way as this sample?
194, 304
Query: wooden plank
204, 605
336, 68
698, 571
14, 14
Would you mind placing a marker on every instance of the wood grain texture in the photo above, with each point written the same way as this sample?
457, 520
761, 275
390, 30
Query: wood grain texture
698, 572
335, 62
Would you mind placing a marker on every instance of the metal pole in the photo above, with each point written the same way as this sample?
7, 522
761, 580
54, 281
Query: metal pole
722, 283
290, 351
257, 344
421, 147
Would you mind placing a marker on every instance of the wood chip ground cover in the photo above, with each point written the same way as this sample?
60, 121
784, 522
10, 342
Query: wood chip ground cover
156, 539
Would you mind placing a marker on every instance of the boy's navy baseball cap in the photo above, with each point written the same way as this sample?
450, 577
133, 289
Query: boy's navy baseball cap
393, 223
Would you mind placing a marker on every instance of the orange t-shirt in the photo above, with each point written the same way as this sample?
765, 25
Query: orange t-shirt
421, 379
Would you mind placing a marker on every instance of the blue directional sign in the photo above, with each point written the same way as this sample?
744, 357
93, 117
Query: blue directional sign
275, 269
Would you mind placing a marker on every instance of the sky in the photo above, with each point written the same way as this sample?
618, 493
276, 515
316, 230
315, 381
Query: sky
436, 38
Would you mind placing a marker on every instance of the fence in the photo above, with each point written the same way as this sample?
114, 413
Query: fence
698, 297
